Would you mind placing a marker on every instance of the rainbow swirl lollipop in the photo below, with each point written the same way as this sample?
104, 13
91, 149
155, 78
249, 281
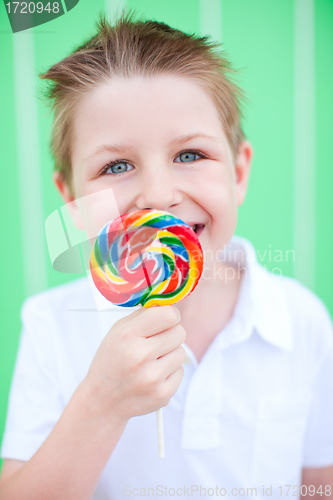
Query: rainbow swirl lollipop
147, 257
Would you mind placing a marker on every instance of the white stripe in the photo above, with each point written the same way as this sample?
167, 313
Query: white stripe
113, 9
304, 152
28, 149
210, 16
64, 6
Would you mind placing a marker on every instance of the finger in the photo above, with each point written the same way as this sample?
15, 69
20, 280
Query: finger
169, 363
173, 382
154, 320
165, 342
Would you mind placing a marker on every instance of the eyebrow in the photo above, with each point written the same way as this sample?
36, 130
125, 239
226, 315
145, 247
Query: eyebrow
119, 148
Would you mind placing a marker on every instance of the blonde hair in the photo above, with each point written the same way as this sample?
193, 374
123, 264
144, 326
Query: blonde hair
130, 48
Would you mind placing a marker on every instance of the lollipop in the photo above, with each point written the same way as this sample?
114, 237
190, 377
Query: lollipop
147, 257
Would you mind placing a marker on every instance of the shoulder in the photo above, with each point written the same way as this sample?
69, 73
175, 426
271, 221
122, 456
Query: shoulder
310, 319
44, 334
66, 311
54, 320
303, 302
70, 296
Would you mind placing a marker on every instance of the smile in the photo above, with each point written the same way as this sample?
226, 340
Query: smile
198, 228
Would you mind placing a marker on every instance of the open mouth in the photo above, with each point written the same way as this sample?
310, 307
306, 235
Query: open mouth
198, 228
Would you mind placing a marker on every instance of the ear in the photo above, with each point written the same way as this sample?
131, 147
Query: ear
69, 199
242, 170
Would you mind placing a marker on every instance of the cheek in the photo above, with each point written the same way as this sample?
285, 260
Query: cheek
97, 209
220, 195
221, 203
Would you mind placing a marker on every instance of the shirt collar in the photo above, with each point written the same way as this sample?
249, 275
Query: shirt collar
261, 304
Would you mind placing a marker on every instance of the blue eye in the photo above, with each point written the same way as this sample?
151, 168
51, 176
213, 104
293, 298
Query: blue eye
117, 167
188, 156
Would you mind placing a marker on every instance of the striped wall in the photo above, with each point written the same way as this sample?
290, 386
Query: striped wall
284, 53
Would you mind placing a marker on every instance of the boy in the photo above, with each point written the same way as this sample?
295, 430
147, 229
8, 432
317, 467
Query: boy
147, 112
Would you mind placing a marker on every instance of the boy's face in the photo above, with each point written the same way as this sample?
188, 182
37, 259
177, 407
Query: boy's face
160, 167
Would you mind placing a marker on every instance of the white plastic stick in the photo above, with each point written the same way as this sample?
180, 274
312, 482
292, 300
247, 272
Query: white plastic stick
160, 434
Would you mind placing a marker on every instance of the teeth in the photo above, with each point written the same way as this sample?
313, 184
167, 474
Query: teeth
194, 227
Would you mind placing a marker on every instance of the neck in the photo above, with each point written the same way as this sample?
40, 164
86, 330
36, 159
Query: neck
218, 281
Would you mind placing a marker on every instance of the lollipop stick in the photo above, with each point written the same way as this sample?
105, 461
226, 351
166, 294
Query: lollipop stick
159, 414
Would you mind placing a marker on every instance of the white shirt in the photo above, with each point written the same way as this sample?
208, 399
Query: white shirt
255, 411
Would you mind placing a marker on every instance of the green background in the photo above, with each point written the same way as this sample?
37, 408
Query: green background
289, 82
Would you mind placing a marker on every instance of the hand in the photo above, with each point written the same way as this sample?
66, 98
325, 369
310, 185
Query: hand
138, 366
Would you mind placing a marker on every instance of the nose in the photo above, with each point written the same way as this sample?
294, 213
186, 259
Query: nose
158, 189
